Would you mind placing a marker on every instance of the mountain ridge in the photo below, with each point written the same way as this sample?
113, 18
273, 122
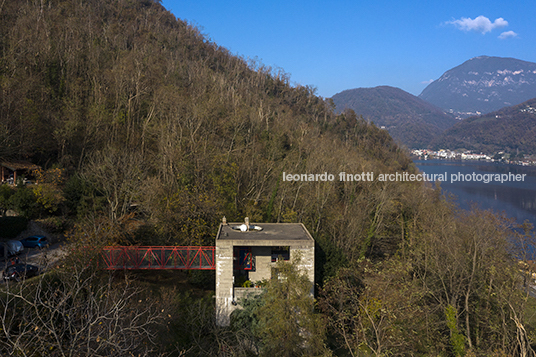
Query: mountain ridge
483, 84
510, 129
409, 119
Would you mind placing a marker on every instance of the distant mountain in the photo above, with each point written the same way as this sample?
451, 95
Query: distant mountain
511, 129
483, 84
409, 119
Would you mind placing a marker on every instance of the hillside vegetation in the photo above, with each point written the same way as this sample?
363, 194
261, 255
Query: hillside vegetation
510, 129
409, 119
149, 112
148, 133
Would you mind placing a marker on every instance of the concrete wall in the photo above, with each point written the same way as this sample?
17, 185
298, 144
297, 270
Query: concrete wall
263, 263
224, 283
243, 293
307, 262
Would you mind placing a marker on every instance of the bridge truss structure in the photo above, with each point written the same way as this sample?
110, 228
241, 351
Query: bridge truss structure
139, 257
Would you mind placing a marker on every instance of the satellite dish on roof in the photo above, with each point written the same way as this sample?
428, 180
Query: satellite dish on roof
245, 228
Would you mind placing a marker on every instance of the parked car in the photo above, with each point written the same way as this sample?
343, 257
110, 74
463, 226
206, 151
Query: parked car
35, 242
13, 247
18, 272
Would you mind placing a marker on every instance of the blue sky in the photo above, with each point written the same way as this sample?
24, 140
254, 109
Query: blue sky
337, 45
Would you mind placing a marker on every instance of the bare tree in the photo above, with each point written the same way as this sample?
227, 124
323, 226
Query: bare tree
75, 312
118, 176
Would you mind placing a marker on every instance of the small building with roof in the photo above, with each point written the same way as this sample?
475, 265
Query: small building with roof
11, 171
247, 253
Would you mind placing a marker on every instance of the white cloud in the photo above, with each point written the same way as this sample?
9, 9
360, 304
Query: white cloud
479, 24
507, 34
427, 82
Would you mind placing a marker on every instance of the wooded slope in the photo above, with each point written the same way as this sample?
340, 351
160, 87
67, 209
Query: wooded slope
151, 120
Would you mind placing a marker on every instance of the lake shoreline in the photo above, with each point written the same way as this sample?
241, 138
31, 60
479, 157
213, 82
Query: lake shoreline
516, 198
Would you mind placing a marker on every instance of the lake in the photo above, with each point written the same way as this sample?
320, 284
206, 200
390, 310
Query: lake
517, 198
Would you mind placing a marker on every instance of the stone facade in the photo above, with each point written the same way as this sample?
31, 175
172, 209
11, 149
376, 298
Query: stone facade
249, 255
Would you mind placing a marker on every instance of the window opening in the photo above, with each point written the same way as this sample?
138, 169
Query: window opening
243, 259
280, 253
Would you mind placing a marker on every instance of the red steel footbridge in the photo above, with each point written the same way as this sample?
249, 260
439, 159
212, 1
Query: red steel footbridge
175, 257
171, 257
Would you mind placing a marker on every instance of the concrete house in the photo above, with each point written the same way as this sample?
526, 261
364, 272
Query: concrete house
246, 254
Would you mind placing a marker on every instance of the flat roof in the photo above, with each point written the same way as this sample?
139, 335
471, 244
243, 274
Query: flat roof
269, 232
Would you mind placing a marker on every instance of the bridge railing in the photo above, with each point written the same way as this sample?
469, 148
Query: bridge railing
139, 257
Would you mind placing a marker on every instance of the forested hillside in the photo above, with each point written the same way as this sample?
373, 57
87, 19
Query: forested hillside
150, 112
511, 129
409, 119
157, 133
